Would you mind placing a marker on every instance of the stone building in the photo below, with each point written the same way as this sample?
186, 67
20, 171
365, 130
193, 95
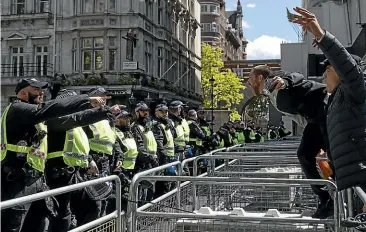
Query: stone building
147, 49
224, 29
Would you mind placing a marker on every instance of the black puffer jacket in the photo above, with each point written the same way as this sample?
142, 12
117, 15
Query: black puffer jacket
346, 116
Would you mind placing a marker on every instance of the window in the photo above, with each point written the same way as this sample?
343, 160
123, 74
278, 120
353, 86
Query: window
112, 53
41, 57
93, 54
209, 8
148, 9
18, 7
17, 61
74, 55
112, 6
148, 57
93, 6
43, 6
210, 27
160, 61
174, 26
183, 35
168, 20
168, 63
175, 69
192, 78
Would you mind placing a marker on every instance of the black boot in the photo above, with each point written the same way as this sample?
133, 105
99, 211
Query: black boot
325, 209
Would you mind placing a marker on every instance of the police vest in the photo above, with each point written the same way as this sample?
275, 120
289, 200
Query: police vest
180, 139
129, 160
207, 131
149, 140
262, 139
76, 149
195, 140
222, 142
240, 137
252, 134
186, 129
169, 146
104, 137
36, 156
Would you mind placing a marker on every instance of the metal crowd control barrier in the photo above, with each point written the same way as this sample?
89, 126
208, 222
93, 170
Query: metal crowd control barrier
166, 215
110, 223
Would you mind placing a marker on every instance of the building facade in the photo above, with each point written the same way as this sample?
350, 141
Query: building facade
224, 29
150, 49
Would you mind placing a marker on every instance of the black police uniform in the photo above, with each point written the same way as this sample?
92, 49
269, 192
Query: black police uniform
57, 173
20, 122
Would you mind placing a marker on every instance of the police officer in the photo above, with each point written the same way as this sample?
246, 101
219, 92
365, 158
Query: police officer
181, 149
225, 135
259, 135
207, 129
129, 148
24, 144
249, 133
196, 135
107, 153
164, 128
272, 134
239, 132
68, 150
146, 144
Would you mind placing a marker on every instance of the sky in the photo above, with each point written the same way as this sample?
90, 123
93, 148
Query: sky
266, 26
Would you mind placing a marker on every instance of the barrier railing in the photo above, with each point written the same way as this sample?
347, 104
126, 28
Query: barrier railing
116, 215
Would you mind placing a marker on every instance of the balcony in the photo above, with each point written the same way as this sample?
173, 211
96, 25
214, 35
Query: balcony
213, 34
11, 73
230, 36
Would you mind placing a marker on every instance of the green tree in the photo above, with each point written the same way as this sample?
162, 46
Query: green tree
227, 87
235, 115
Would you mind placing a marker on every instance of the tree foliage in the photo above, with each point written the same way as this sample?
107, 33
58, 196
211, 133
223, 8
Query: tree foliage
227, 86
235, 115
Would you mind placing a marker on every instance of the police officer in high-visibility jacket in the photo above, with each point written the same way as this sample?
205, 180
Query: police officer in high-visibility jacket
105, 150
196, 135
208, 144
180, 105
164, 133
146, 144
249, 133
68, 154
130, 152
239, 132
181, 148
24, 145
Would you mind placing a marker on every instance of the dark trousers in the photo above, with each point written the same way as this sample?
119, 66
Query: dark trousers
84, 208
13, 219
62, 222
313, 139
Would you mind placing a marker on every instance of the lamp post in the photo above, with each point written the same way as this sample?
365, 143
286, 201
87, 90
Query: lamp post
212, 80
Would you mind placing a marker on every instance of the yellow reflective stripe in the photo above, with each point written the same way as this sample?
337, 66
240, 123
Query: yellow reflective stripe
18, 149
3, 126
55, 154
